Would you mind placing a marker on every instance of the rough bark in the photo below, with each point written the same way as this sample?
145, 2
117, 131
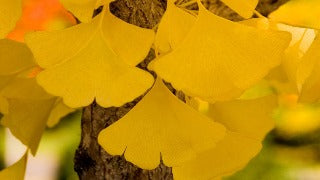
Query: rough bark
91, 161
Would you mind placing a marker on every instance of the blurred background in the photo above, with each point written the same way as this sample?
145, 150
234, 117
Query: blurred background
291, 151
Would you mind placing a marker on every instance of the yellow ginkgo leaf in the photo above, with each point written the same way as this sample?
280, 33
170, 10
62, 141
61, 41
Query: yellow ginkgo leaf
173, 28
308, 62
160, 125
14, 62
58, 111
29, 108
296, 63
10, 12
244, 8
310, 91
91, 64
14, 58
3, 105
83, 9
25, 105
303, 13
250, 117
302, 39
219, 63
247, 122
231, 154
16, 171
24, 88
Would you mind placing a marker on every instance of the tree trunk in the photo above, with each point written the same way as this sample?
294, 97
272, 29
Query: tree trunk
91, 161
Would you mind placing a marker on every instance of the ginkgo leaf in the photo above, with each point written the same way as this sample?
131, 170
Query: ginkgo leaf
302, 39
160, 124
28, 110
308, 62
14, 62
83, 9
25, 88
296, 63
310, 89
303, 13
25, 105
58, 111
173, 28
247, 122
244, 8
16, 171
231, 154
3, 105
251, 117
11, 64
219, 63
10, 12
88, 65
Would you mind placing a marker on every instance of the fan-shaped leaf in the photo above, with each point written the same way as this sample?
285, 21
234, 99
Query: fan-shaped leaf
92, 62
160, 124
219, 58
247, 122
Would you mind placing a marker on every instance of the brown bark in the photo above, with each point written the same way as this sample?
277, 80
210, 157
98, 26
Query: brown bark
91, 161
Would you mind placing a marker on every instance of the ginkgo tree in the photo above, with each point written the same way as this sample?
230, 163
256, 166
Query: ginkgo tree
214, 131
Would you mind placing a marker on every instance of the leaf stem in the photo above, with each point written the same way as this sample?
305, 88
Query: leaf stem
258, 14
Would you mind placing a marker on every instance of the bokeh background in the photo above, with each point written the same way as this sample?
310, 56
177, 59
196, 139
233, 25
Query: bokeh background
291, 151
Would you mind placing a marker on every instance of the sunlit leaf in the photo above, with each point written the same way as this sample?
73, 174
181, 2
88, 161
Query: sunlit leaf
16, 171
309, 62
298, 60
3, 105
28, 110
303, 13
247, 122
58, 111
219, 63
160, 124
244, 8
10, 12
174, 26
14, 62
230, 155
93, 63
25, 105
310, 91
251, 117
83, 9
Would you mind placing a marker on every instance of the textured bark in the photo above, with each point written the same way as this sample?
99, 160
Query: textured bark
91, 161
